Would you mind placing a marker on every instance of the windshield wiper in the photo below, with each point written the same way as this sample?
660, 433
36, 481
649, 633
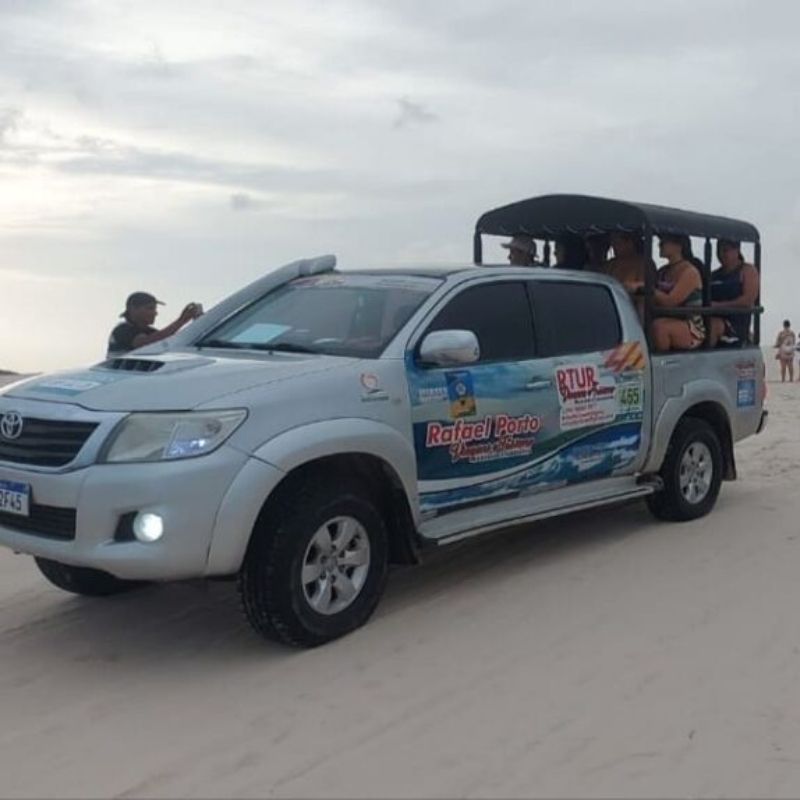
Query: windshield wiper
222, 344
284, 347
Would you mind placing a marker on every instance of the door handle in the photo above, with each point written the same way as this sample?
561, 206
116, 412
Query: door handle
671, 362
533, 385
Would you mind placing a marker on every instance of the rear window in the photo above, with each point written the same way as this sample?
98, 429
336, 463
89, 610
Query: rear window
574, 318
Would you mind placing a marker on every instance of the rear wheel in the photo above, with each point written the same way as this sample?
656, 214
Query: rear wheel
82, 580
691, 473
317, 564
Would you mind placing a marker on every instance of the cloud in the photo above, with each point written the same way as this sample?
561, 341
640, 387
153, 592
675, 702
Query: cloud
148, 124
20, 276
411, 113
241, 201
9, 119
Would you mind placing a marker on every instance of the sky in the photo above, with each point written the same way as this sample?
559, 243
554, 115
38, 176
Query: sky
185, 148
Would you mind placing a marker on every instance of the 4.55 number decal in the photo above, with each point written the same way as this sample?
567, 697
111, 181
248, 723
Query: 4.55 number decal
630, 397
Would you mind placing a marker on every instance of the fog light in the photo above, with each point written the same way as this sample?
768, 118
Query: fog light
148, 527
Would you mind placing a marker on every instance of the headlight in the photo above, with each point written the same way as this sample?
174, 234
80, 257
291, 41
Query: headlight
165, 437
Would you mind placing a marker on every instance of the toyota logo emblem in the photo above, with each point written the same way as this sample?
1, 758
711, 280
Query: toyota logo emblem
11, 425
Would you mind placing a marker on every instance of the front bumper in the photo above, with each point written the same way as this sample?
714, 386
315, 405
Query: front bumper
199, 499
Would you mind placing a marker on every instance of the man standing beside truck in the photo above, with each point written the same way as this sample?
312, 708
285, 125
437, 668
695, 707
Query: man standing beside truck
141, 310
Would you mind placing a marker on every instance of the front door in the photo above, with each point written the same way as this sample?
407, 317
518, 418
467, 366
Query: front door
478, 428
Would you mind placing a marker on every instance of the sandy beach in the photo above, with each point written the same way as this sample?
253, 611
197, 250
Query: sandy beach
601, 655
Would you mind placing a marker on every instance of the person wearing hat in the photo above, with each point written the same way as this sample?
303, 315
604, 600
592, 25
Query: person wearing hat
141, 310
521, 251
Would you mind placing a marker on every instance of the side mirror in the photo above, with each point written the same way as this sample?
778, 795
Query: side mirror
449, 348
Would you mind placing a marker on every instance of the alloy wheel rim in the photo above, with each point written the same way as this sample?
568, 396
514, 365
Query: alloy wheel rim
335, 565
696, 472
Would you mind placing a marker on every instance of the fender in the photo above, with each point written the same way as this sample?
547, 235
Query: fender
237, 516
335, 437
275, 459
694, 392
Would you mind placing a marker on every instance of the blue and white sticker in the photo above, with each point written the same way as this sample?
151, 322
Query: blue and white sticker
75, 384
461, 394
746, 393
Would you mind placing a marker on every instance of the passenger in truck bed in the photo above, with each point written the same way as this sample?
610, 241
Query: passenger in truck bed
679, 284
571, 252
736, 284
597, 246
522, 251
629, 262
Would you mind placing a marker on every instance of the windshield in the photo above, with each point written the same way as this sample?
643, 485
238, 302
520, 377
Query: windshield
335, 314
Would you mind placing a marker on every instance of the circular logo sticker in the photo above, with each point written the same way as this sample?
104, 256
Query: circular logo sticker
370, 382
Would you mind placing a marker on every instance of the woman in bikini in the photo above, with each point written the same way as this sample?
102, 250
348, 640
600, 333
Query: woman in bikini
734, 284
786, 343
679, 284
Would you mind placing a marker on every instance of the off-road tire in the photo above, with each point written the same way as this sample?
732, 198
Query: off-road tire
270, 583
82, 580
670, 504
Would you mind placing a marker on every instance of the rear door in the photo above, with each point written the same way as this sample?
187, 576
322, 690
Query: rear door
592, 420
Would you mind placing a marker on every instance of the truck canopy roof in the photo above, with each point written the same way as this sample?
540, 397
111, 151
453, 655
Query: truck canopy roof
551, 215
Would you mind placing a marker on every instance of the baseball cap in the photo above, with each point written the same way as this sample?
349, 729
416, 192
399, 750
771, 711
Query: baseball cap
521, 242
139, 299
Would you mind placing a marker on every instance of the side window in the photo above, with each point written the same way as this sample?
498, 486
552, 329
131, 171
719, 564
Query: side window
498, 314
574, 318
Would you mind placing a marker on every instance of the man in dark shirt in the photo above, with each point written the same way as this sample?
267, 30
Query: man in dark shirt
141, 309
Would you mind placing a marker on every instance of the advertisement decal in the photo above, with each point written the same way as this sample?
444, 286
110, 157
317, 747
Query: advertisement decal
746, 393
490, 439
506, 428
586, 399
461, 393
74, 383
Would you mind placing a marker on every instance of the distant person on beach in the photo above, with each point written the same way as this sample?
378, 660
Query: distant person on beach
141, 310
521, 251
785, 344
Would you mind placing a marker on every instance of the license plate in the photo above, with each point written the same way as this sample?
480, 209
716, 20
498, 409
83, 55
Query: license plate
15, 498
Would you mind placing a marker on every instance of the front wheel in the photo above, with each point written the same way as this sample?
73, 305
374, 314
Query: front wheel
691, 473
83, 580
317, 563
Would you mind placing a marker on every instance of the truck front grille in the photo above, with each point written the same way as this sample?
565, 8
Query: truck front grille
52, 522
46, 442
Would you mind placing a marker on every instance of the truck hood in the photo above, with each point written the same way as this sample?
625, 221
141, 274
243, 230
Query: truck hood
174, 381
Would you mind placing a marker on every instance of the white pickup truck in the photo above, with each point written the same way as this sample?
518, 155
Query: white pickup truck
321, 424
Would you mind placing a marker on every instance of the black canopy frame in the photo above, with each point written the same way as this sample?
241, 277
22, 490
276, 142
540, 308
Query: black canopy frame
550, 216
